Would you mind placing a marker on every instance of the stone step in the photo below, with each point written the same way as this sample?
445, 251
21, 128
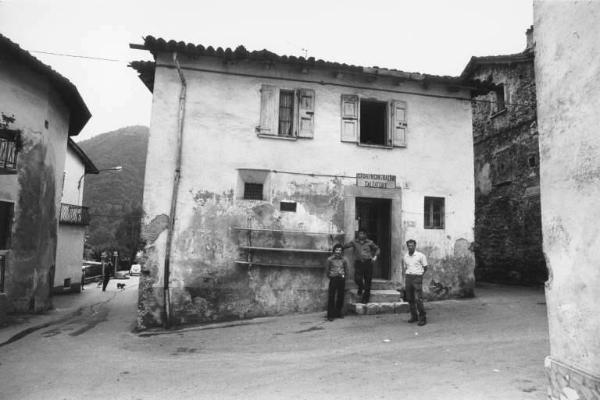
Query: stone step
382, 284
378, 296
398, 307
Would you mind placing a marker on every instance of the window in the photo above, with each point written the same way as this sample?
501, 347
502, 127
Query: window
286, 113
498, 102
434, 213
287, 206
253, 191
6, 216
373, 122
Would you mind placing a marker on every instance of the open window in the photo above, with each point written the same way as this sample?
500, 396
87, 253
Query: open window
498, 97
9, 150
286, 113
373, 122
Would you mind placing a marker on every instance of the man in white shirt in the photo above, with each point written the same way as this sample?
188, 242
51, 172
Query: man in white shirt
414, 266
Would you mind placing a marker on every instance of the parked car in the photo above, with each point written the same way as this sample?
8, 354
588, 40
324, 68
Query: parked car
135, 269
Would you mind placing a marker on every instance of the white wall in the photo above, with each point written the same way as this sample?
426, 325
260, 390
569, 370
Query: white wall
74, 170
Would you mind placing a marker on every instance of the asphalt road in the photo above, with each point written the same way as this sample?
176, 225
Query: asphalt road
490, 347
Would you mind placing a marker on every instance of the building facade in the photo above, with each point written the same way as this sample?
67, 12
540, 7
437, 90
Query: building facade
265, 161
508, 233
73, 220
567, 67
42, 109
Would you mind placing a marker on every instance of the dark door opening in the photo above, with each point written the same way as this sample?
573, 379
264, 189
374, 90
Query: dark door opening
374, 216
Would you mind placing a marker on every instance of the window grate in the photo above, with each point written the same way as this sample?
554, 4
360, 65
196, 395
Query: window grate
8, 151
434, 215
287, 206
253, 191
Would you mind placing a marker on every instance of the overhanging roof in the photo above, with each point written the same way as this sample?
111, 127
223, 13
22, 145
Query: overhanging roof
157, 45
79, 113
90, 168
474, 62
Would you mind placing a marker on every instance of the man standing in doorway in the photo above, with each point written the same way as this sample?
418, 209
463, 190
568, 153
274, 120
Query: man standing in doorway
365, 253
414, 266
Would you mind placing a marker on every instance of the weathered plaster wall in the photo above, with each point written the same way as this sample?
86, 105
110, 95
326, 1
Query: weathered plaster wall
74, 169
35, 189
69, 253
222, 112
567, 68
508, 233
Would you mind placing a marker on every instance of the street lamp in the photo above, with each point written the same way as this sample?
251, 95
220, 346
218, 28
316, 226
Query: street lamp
117, 168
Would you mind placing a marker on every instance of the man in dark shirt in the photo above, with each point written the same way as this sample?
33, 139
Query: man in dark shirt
365, 253
337, 267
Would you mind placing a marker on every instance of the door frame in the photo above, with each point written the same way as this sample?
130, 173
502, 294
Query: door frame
351, 192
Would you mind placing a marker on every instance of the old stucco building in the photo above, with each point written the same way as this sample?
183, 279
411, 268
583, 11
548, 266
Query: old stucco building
567, 72
264, 161
47, 109
508, 233
73, 219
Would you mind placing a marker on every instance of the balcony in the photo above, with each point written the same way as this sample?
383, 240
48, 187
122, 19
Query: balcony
9, 149
71, 214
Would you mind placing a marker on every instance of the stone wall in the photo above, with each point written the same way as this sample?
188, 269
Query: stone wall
507, 202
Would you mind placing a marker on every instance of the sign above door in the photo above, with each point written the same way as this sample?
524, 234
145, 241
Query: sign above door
376, 181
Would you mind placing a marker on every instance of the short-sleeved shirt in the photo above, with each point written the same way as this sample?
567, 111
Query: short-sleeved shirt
336, 266
364, 250
415, 264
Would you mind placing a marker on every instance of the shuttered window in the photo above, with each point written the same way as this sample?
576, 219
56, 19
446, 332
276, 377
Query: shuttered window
6, 215
286, 113
373, 122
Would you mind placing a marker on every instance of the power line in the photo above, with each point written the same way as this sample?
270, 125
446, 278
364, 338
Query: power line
77, 56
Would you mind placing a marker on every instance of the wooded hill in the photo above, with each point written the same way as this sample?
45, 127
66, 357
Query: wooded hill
115, 198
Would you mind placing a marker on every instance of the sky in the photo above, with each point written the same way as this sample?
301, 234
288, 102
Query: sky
429, 36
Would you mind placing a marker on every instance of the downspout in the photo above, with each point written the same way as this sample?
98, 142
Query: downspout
174, 194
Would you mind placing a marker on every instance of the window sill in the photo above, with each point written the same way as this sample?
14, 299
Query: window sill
265, 136
497, 114
434, 227
375, 146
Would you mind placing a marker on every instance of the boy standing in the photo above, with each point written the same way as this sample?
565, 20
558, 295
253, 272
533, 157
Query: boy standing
337, 267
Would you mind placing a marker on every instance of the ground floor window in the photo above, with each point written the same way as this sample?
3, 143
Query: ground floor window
253, 191
6, 215
434, 215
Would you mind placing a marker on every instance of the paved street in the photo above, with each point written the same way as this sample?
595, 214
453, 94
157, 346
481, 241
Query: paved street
490, 347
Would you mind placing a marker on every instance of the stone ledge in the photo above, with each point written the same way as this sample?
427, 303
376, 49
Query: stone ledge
378, 308
567, 382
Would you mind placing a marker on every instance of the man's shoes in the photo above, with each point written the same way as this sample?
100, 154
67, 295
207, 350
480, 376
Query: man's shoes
422, 321
412, 319
341, 316
329, 319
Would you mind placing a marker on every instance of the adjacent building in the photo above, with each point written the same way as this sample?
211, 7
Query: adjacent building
258, 163
508, 233
40, 110
73, 220
567, 68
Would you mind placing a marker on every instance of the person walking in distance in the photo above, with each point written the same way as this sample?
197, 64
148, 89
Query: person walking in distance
106, 274
365, 253
337, 268
414, 266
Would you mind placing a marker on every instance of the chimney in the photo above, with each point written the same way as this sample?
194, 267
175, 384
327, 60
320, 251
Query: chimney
530, 44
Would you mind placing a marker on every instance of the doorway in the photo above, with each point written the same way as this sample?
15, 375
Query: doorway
374, 216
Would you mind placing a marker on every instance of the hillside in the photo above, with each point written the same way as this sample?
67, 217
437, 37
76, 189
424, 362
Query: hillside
115, 198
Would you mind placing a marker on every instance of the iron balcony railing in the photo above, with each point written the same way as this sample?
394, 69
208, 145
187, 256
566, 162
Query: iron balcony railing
74, 215
8, 153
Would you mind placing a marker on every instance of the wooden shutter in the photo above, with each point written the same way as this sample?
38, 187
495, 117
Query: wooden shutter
399, 123
350, 120
269, 103
306, 113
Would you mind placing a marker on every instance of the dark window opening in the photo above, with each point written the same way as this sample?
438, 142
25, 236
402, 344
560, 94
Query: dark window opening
500, 105
532, 161
287, 206
434, 216
6, 215
286, 113
253, 191
9, 150
373, 117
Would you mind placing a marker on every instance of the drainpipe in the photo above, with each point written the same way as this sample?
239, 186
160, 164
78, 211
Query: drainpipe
174, 194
